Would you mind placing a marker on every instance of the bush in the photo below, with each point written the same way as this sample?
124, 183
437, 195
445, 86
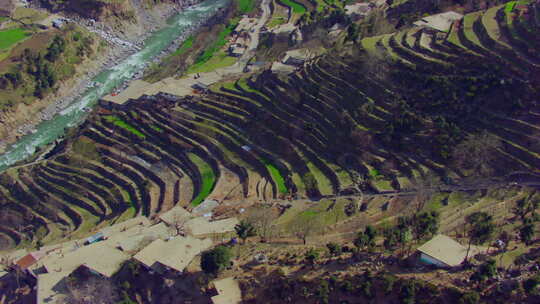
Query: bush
215, 260
323, 291
471, 297
388, 282
334, 249
531, 285
312, 255
485, 271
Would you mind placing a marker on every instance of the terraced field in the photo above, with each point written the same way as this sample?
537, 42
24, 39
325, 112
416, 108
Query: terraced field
388, 119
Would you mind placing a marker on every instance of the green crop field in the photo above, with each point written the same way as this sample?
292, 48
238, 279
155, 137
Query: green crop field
208, 178
10, 37
297, 8
124, 125
276, 176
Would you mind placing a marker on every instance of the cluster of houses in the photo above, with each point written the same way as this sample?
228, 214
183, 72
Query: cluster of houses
240, 38
165, 247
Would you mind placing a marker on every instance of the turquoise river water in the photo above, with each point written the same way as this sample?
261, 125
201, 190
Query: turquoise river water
74, 114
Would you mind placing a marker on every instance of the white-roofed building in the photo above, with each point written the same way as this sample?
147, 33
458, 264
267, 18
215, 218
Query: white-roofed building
175, 254
175, 214
99, 258
125, 225
440, 22
200, 226
443, 251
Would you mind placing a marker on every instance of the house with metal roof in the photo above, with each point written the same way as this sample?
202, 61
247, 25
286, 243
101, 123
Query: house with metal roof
442, 251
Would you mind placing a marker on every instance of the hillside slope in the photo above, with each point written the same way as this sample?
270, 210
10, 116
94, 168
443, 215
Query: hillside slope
388, 110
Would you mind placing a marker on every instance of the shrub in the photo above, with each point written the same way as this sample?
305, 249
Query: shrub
471, 297
323, 291
531, 285
485, 271
334, 249
388, 282
312, 255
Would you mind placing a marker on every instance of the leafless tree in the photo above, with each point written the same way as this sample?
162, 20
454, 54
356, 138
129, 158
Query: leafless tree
261, 218
425, 186
93, 290
178, 223
477, 153
304, 228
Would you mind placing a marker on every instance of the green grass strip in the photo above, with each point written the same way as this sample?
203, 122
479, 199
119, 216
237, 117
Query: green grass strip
510, 6
156, 128
124, 125
208, 178
9, 37
276, 176
297, 8
246, 6
186, 45
218, 44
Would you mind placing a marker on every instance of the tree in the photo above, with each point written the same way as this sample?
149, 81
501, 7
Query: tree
56, 48
481, 229
244, 230
531, 285
425, 224
526, 231
485, 271
366, 238
215, 260
304, 228
425, 186
352, 32
476, 153
471, 297
408, 292
262, 218
311, 256
334, 248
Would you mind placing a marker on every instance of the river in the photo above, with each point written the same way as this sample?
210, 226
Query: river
50, 130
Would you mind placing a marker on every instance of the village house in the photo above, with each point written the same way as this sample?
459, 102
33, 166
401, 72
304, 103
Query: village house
98, 258
439, 22
444, 252
171, 255
201, 226
297, 57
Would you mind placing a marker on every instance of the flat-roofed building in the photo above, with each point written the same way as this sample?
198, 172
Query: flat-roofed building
175, 254
440, 22
175, 214
200, 226
99, 258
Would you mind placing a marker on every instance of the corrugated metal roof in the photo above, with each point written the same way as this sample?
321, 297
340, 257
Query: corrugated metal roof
444, 249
